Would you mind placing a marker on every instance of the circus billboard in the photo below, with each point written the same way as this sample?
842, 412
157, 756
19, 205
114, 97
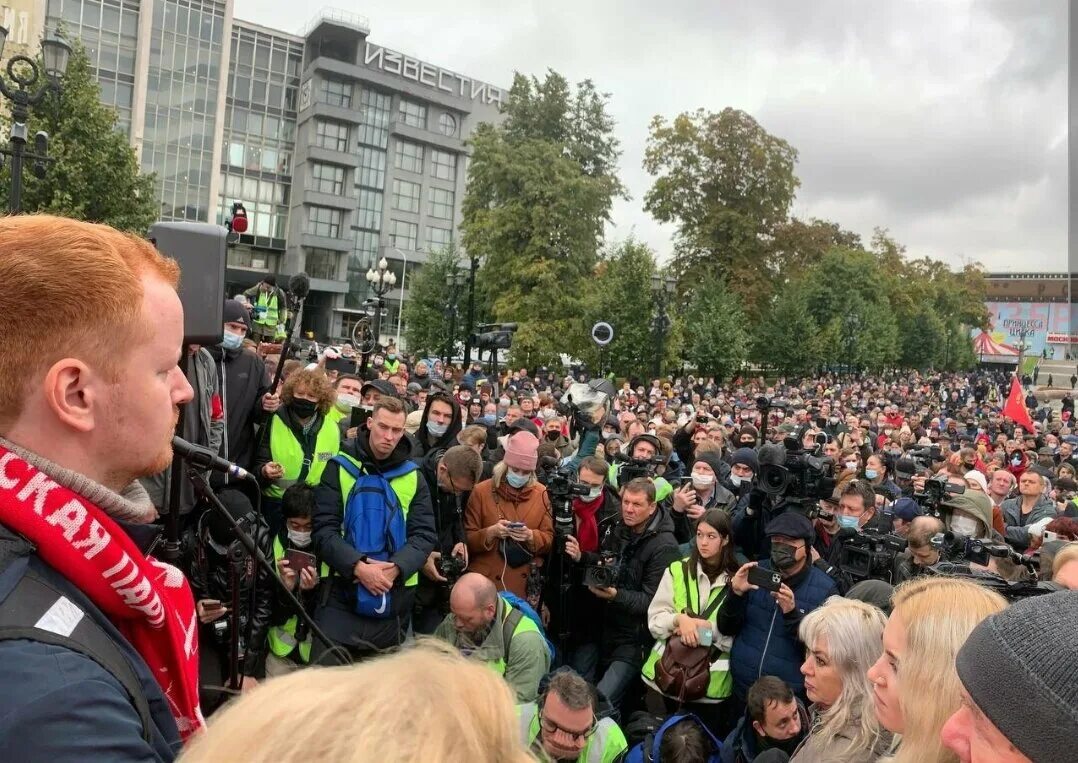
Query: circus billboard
1043, 327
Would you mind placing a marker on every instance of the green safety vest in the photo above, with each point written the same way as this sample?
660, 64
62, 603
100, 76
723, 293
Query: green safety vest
525, 625
282, 638
662, 487
720, 682
286, 450
605, 745
336, 414
404, 486
268, 300
391, 366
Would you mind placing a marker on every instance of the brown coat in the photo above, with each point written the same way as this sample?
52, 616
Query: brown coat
485, 507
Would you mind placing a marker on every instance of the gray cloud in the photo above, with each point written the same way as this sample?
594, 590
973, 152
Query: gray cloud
943, 122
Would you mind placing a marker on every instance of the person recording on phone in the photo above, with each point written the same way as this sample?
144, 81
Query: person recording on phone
289, 639
699, 492
219, 564
769, 600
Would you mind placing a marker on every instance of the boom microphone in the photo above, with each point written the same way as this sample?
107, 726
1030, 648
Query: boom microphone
204, 458
299, 285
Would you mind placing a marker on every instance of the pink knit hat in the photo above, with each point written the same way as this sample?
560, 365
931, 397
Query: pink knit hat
522, 451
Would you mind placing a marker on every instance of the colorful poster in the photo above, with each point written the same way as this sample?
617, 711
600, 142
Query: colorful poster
1042, 327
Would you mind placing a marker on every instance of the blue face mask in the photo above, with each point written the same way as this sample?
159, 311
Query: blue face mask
517, 480
437, 429
489, 419
231, 341
871, 474
847, 522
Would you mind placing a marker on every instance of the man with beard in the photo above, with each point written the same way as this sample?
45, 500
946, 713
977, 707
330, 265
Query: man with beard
90, 390
484, 626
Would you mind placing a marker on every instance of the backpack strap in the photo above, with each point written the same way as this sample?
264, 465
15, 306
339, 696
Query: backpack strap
509, 625
35, 611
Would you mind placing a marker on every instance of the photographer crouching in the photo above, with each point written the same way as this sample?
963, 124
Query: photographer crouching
623, 577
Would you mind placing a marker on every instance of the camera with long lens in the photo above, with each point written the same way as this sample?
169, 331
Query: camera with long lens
869, 554
798, 477
604, 573
633, 468
954, 547
925, 457
561, 487
936, 491
958, 553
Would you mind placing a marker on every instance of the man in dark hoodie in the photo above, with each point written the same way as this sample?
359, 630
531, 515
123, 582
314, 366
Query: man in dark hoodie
774, 719
439, 426
244, 386
701, 491
379, 448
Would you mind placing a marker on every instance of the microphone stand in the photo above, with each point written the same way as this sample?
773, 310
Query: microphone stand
235, 567
286, 349
202, 488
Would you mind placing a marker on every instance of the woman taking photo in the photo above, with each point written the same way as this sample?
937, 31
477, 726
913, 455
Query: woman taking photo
843, 639
915, 685
688, 605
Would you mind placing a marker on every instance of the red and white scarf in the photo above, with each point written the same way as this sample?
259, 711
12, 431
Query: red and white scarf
148, 601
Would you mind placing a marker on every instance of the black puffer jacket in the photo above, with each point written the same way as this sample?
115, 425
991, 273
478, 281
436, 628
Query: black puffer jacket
242, 381
643, 559
210, 576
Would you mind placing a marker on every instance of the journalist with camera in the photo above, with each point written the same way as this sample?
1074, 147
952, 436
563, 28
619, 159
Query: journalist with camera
864, 546
622, 577
920, 554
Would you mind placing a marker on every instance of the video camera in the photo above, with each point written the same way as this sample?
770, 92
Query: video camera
868, 554
788, 471
632, 468
936, 491
493, 336
561, 487
922, 458
604, 573
954, 547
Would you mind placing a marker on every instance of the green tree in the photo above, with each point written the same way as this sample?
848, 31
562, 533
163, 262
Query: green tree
727, 184
426, 312
540, 190
922, 340
95, 175
787, 337
716, 337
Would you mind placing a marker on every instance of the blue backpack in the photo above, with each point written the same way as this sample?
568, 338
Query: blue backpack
375, 525
526, 610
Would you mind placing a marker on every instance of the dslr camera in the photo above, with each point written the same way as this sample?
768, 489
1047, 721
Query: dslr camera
936, 491
639, 467
604, 573
450, 567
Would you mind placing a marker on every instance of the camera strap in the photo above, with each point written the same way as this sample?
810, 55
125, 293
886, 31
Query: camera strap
711, 608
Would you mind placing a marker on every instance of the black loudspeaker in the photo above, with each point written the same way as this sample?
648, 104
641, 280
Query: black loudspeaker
199, 249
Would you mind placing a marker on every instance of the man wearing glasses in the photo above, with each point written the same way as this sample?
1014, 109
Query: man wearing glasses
563, 726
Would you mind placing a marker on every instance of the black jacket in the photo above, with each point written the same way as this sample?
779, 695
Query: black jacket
685, 528
448, 508
210, 576
243, 381
424, 441
336, 612
643, 559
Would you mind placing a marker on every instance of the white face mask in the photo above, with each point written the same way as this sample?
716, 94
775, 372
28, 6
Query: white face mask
702, 481
852, 465
964, 526
595, 492
299, 539
735, 480
347, 402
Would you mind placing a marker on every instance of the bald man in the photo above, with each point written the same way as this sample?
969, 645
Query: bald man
484, 626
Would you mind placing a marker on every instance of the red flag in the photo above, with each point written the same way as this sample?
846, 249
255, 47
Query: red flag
1015, 407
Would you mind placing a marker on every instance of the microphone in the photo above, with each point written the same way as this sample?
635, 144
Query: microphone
204, 458
299, 285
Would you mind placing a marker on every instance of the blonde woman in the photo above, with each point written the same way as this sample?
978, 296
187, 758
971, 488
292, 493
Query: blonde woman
842, 638
915, 685
422, 704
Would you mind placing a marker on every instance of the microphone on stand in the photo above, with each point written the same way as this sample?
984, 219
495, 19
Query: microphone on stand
204, 458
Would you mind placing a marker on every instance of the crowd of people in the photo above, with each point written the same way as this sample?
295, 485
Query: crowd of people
502, 566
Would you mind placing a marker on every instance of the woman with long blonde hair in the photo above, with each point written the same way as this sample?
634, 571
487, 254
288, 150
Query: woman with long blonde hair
842, 639
426, 703
915, 685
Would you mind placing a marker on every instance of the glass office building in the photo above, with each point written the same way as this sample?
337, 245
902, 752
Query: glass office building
342, 151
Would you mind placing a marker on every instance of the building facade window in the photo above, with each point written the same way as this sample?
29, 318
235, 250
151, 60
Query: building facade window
443, 165
440, 203
335, 92
375, 110
413, 114
321, 263
438, 238
369, 209
409, 157
326, 178
403, 235
324, 221
372, 168
447, 125
406, 195
331, 135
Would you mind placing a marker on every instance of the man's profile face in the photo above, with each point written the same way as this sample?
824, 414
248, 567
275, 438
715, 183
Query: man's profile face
469, 618
972, 736
138, 413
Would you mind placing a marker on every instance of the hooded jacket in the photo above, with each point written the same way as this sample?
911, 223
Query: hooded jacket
741, 746
242, 381
642, 559
336, 613
1017, 534
649, 749
425, 442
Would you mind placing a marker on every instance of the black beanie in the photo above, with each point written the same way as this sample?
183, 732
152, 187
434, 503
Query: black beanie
714, 460
234, 312
1019, 668
746, 457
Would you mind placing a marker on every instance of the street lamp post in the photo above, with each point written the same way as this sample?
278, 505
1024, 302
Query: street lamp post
24, 74
381, 281
662, 287
454, 279
473, 266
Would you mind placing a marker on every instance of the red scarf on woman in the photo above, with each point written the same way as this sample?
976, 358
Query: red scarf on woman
148, 601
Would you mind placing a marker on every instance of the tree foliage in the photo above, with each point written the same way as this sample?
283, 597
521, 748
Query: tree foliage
95, 175
716, 337
430, 300
540, 190
787, 337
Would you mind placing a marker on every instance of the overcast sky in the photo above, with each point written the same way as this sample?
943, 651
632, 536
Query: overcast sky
943, 120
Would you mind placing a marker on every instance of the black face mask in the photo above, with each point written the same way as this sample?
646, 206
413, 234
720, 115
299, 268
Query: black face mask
303, 409
783, 557
786, 745
748, 444
553, 435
